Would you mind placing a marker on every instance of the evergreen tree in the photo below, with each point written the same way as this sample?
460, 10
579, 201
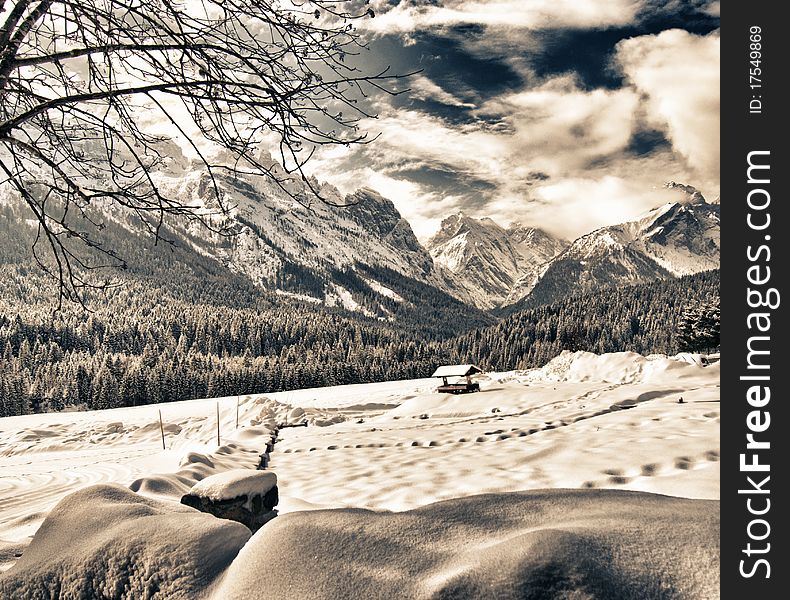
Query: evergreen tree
699, 327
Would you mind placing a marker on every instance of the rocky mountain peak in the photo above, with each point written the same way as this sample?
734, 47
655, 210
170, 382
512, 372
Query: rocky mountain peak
483, 259
691, 195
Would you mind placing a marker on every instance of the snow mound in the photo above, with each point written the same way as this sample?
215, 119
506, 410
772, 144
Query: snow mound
296, 414
539, 544
234, 483
195, 467
326, 421
253, 434
192, 458
105, 541
618, 367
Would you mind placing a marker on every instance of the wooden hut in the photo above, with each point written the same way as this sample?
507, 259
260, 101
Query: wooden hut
464, 386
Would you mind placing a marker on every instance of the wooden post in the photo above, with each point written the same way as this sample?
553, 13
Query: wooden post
162, 430
237, 411
218, 442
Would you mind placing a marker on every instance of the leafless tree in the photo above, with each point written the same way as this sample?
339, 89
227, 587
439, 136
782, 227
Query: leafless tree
79, 79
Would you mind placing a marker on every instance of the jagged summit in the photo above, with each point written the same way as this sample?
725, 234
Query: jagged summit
498, 266
483, 260
676, 239
691, 194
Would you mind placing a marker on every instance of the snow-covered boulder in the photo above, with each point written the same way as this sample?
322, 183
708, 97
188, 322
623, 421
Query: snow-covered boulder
105, 541
244, 495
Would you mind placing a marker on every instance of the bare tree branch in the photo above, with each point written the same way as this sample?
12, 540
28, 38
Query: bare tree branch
80, 80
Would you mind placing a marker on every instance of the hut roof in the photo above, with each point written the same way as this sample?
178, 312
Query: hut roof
456, 371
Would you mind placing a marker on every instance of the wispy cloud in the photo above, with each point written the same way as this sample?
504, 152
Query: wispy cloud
556, 130
516, 14
423, 88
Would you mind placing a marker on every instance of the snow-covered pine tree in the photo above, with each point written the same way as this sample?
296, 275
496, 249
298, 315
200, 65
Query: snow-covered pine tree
699, 327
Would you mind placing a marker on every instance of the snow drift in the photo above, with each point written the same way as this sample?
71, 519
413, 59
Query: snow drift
620, 367
108, 542
610, 427
105, 541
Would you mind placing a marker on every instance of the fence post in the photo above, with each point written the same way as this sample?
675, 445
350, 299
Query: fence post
162, 430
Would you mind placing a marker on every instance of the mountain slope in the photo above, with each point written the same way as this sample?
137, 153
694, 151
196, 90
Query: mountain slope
196, 270
361, 256
292, 247
483, 260
676, 239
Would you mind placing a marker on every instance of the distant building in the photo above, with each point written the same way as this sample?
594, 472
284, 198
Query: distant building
458, 387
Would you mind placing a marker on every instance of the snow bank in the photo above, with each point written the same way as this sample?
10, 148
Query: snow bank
619, 367
105, 541
196, 467
444, 405
296, 415
540, 544
234, 483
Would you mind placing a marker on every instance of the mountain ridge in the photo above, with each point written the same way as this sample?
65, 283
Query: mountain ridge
483, 259
672, 240
309, 251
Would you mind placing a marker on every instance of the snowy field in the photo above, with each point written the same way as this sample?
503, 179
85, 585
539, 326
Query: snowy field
583, 422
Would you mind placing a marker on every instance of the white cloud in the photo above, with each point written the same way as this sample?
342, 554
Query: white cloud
582, 204
518, 14
555, 156
713, 8
678, 73
423, 88
556, 129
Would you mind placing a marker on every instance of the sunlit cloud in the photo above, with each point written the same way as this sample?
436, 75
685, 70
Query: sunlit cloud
514, 124
516, 14
423, 88
678, 74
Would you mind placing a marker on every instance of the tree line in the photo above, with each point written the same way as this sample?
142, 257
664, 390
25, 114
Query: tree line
146, 344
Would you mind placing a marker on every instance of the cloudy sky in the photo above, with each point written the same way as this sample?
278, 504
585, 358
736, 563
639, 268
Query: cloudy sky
564, 114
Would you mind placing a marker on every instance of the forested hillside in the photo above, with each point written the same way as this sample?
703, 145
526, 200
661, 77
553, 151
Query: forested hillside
147, 342
640, 318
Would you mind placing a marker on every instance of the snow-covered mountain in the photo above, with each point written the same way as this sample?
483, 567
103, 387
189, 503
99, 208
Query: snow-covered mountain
483, 260
364, 257
361, 255
316, 252
678, 238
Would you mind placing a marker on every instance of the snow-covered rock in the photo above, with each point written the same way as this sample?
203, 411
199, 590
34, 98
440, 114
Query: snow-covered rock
234, 483
244, 495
